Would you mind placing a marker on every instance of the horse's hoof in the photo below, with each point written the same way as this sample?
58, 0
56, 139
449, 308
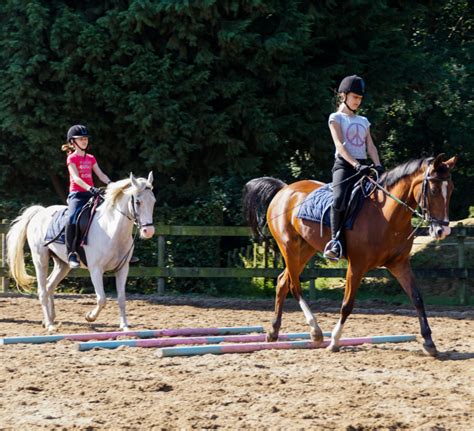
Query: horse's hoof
89, 318
51, 328
317, 336
333, 348
271, 337
430, 349
125, 329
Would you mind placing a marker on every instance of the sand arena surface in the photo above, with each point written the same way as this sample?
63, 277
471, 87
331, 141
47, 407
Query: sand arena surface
370, 387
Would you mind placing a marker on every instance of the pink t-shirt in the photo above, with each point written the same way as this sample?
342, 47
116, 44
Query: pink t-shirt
84, 167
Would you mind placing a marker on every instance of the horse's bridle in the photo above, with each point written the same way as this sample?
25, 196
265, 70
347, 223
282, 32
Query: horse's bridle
422, 201
135, 214
136, 221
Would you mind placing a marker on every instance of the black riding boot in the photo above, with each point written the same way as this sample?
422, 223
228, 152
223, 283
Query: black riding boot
333, 249
70, 236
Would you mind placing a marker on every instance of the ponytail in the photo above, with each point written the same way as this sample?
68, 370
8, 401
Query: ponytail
68, 147
338, 99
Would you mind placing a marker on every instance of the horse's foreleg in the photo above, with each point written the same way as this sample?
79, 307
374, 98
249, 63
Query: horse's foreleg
403, 273
353, 279
282, 289
120, 281
97, 281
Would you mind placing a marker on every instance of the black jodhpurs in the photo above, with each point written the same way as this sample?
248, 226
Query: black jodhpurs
341, 188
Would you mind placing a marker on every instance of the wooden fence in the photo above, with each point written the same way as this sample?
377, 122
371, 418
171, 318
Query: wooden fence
163, 271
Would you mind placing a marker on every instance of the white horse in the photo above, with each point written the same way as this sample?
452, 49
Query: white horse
110, 244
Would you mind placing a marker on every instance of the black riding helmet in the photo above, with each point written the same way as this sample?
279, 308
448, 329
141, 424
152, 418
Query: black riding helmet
77, 131
352, 84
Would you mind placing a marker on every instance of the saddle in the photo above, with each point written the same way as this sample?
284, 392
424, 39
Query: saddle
56, 228
316, 207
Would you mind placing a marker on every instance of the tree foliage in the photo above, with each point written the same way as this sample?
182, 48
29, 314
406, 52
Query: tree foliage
210, 93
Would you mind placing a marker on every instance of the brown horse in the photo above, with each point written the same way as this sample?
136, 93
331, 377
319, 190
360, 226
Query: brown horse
381, 235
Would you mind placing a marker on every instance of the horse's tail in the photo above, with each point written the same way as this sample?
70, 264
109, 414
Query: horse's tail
257, 195
16, 238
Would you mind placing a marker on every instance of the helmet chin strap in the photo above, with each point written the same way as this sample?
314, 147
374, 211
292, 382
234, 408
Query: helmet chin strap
348, 107
78, 146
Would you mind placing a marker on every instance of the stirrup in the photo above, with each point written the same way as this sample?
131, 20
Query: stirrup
72, 261
333, 250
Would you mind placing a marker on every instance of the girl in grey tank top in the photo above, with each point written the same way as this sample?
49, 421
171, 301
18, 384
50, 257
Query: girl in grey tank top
352, 140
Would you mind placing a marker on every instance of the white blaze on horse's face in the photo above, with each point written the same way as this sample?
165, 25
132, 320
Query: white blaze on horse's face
436, 230
142, 204
440, 195
441, 232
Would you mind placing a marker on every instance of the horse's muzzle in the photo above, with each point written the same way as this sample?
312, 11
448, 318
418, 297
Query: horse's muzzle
146, 232
439, 232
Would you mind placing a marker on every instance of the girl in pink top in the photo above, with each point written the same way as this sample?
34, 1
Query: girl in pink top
81, 183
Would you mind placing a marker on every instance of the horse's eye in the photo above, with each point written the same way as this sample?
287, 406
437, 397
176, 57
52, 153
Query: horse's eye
434, 190
138, 203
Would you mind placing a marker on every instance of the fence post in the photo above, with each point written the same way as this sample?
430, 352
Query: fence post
5, 280
461, 236
160, 289
255, 252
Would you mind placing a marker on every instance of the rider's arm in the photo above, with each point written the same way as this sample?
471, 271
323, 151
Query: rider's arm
104, 178
72, 168
336, 134
372, 149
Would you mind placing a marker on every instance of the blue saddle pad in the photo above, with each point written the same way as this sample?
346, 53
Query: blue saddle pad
317, 207
56, 227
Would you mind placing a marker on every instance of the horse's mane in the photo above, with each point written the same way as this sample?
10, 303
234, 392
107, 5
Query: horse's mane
392, 177
117, 189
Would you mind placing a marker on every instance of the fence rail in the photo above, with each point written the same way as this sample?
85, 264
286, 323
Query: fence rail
162, 271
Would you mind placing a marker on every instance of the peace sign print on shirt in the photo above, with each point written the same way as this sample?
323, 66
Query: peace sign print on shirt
355, 134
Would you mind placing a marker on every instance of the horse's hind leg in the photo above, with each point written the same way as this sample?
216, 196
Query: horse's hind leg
282, 288
60, 270
403, 273
40, 261
296, 259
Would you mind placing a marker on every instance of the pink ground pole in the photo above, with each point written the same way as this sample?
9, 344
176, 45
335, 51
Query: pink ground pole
146, 333
165, 342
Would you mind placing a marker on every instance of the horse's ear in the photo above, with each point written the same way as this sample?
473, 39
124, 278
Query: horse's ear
134, 181
451, 162
149, 181
437, 161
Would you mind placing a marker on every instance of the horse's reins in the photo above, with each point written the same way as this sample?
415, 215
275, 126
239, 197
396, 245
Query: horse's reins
136, 221
89, 222
421, 202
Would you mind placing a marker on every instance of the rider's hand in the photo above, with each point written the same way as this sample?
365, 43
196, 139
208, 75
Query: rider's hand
95, 191
362, 169
380, 169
